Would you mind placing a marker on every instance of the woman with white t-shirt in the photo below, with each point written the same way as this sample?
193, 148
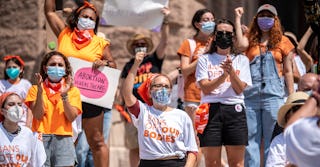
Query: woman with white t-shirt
222, 76
13, 82
165, 135
18, 145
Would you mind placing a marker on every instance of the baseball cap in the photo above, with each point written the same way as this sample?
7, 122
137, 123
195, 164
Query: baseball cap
269, 8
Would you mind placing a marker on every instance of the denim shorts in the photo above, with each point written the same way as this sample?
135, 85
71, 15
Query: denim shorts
59, 149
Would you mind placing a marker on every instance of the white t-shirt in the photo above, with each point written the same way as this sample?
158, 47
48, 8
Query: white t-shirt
21, 89
303, 142
22, 149
164, 134
301, 68
277, 152
208, 67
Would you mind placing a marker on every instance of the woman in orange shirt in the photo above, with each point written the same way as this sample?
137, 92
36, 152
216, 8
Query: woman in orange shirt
78, 39
270, 55
55, 104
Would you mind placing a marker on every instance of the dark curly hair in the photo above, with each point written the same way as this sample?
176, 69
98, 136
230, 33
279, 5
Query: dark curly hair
72, 20
47, 57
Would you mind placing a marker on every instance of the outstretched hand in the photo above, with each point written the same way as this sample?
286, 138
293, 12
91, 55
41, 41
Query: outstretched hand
238, 12
139, 57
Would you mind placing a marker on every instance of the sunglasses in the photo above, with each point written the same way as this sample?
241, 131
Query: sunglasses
221, 33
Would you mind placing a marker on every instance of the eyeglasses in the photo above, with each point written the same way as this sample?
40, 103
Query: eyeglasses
158, 86
228, 33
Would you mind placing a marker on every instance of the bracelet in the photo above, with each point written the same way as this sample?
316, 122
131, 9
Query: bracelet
64, 97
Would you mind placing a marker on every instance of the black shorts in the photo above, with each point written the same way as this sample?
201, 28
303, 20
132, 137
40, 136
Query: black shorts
227, 125
90, 110
163, 163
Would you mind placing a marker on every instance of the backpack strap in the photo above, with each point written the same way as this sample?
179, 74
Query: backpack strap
192, 44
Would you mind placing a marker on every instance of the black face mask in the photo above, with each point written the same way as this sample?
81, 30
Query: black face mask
224, 39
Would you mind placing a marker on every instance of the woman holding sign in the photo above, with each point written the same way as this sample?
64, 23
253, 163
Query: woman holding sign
165, 134
78, 39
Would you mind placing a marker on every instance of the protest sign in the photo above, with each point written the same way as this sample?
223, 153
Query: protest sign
136, 13
97, 87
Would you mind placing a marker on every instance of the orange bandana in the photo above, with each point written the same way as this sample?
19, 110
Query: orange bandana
87, 5
143, 89
52, 90
81, 38
9, 57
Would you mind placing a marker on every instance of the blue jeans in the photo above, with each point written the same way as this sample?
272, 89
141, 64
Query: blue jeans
84, 154
263, 100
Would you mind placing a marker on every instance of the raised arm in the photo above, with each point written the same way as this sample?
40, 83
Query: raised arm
305, 56
126, 90
164, 34
288, 72
242, 41
55, 22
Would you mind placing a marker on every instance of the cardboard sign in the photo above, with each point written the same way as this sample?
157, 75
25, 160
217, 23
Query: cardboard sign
136, 13
97, 87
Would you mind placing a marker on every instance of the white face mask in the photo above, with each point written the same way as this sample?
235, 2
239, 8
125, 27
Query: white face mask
85, 24
14, 113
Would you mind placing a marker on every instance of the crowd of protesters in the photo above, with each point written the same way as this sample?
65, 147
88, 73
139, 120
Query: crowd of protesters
248, 89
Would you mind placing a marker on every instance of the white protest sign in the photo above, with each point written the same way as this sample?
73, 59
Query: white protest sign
97, 87
136, 13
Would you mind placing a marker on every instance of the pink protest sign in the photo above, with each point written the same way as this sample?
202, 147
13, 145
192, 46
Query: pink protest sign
97, 87
92, 83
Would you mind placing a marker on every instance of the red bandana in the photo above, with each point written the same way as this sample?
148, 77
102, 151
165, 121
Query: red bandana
81, 38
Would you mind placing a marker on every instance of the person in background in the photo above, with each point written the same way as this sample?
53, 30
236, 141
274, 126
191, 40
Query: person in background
223, 75
277, 151
27, 150
313, 51
189, 52
306, 82
305, 85
165, 134
78, 39
14, 82
271, 57
55, 104
152, 63
302, 132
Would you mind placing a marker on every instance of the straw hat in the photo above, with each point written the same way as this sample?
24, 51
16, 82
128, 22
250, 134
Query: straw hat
296, 98
137, 37
269, 8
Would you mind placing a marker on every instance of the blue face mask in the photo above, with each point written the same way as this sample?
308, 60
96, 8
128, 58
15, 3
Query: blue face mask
161, 96
265, 23
55, 73
208, 27
13, 73
86, 24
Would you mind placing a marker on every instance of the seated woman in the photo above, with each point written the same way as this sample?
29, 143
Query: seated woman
27, 149
165, 134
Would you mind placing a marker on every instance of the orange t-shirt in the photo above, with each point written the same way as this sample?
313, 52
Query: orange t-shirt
192, 92
89, 53
281, 50
54, 121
